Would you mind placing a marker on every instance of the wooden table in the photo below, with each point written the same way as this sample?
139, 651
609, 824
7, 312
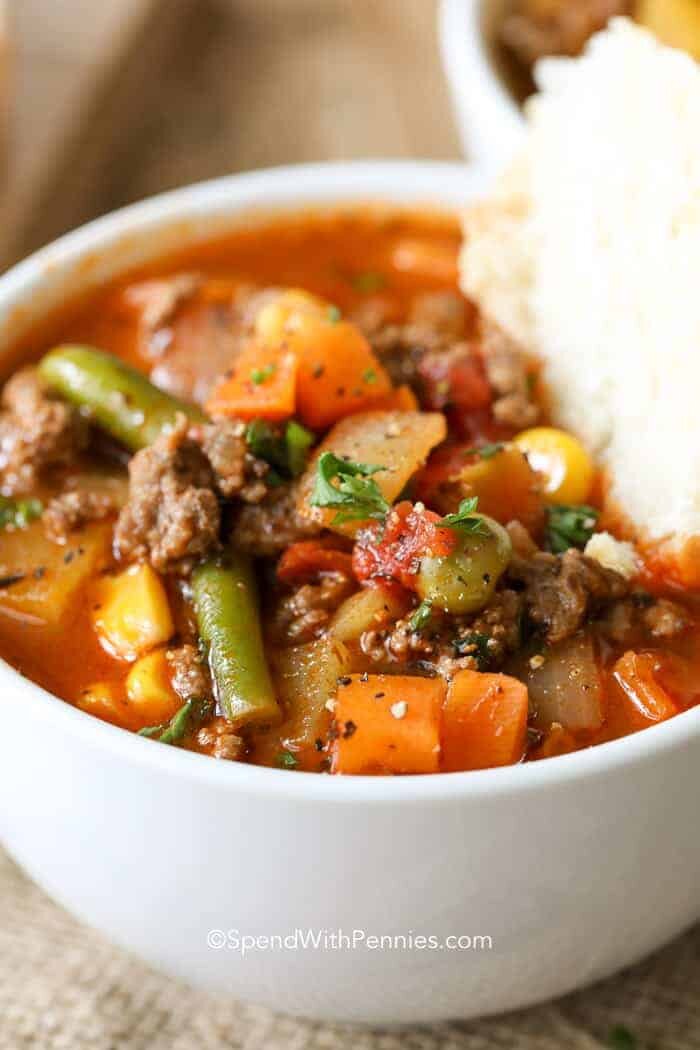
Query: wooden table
117, 99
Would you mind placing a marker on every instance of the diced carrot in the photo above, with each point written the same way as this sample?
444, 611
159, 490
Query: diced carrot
484, 721
647, 701
401, 399
338, 372
308, 557
262, 385
388, 724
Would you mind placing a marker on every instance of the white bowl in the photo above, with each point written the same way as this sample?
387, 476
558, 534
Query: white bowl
567, 869
489, 119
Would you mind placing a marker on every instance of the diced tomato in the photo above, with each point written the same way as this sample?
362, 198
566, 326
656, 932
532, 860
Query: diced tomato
455, 377
309, 558
395, 551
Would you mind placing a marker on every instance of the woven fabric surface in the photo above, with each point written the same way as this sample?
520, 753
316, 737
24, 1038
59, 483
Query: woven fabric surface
64, 987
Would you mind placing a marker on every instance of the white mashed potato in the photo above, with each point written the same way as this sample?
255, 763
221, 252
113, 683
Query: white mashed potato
589, 254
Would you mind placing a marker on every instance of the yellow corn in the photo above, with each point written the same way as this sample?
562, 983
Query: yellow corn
561, 459
148, 687
132, 615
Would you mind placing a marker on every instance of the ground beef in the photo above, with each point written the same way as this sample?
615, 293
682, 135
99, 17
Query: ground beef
236, 471
219, 740
157, 301
37, 432
266, 528
561, 591
521, 540
448, 644
507, 372
189, 676
72, 510
172, 517
641, 619
533, 29
437, 322
304, 614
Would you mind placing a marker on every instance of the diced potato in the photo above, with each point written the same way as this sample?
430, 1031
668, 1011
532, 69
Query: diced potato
104, 700
566, 687
149, 690
306, 677
48, 574
400, 442
132, 615
367, 610
286, 314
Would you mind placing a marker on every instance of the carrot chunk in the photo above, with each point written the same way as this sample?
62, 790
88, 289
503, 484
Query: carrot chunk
388, 724
303, 560
401, 399
646, 701
262, 385
484, 721
338, 373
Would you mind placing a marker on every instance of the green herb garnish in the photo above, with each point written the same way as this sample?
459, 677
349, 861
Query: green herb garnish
286, 760
487, 451
368, 281
569, 526
333, 314
19, 513
369, 376
465, 519
261, 375
286, 452
173, 731
620, 1038
356, 494
422, 616
474, 644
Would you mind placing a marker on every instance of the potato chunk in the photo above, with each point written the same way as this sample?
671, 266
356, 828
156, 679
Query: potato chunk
399, 442
39, 578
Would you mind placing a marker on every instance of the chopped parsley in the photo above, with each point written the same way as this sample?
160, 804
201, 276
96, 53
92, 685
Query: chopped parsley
620, 1038
487, 451
368, 281
286, 760
18, 514
173, 731
333, 315
356, 494
474, 644
286, 452
261, 375
569, 526
369, 376
422, 616
465, 518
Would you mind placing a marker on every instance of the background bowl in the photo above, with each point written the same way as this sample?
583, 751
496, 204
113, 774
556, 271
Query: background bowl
532, 880
489, 118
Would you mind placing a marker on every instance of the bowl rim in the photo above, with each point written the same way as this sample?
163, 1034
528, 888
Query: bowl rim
490, 119
277, 190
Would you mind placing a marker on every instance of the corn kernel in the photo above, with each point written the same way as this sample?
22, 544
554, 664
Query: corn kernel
562, 460
148, 687
132, 614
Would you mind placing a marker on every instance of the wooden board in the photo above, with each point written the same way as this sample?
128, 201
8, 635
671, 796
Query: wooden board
158, 93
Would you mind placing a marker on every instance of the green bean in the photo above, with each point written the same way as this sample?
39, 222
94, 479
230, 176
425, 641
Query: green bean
120, 400
226, 607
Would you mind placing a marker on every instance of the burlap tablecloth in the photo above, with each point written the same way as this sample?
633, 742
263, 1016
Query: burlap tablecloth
64, 987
